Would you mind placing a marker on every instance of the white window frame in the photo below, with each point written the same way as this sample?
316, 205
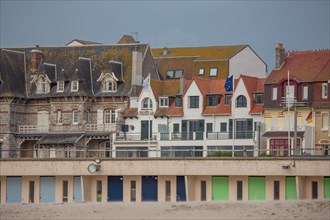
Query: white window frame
163, 102
107, 82
274, 93
201, 72
74, 86
213, 71
109, 116
59, 117
305, 92
149, 105
60, 86
325, 122
75, 117
325, 90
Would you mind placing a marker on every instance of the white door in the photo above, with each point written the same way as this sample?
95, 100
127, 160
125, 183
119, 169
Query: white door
43, 121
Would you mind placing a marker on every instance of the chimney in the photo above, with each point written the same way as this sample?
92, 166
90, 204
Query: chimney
137, 62
36, 58
182, 85
279, 56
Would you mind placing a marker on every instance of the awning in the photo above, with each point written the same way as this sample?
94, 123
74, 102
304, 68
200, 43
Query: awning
283, 134
60, 138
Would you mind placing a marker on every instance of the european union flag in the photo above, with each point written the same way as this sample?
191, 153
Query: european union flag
229, 84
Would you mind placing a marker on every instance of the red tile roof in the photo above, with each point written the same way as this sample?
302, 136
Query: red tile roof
304, 66
130, 112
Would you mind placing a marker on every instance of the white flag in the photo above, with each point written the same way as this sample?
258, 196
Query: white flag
146, 82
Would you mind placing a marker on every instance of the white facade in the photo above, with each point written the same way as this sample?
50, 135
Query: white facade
195, 131
248, 63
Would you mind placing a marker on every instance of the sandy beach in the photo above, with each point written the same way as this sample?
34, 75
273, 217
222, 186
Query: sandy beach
304, 209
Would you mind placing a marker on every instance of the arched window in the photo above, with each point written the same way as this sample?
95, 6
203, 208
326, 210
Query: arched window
109, 84
109, 116
325, 121
241, 101
146, 103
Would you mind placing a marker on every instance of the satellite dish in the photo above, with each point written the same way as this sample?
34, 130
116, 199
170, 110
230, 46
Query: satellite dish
92, 168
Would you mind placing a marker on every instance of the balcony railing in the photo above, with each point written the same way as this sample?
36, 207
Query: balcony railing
209, 135
122, 136
31, 129
138, 152
285, 128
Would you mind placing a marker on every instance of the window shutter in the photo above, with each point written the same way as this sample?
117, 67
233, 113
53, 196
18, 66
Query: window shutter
99, 116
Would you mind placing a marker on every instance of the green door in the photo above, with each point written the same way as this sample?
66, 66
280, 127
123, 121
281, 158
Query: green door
257, 188
327, 187
220, 188
290, 188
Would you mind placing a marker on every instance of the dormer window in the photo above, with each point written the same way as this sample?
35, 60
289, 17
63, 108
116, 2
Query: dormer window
212, 100
42, 85
74, 86
60, 86
109, 84
259, 98
163, 102
241, 101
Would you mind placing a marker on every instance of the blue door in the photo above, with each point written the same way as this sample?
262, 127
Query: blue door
47, 189
115, 188
14, 189
180, 189
77, 189
149, 188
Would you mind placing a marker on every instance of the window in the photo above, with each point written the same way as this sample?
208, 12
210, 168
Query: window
176, 128
178, 73
65, 191
227, 99
31, 191
74, 86
170, 74
274, 93
239, 190
109, 116
324, 90
133, 190
87, 116
60, 86
241, 101
305, 92
209, 127
193, 101
163, 102
178, 101
314, 190
146, 103
42, 85
75, 117
290, 91
213, 71
325, 120
203, 190
99, 191
167, 191
109, 84
259, 98
276, 190
201, 71
223, 127
59, 117
212, 100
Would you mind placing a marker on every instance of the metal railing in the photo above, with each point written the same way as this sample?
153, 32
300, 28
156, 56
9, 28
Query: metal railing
143, 152
31, 129
130, 136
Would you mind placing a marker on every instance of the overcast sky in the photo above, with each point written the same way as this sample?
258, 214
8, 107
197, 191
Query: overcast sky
299, 25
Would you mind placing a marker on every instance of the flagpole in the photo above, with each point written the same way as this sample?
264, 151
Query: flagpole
149, 85
288, 103
233, 116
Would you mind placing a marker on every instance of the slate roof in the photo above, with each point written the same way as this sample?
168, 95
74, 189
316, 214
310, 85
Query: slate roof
127, 39
201, 53
83, 42
68, 63
60, 138
304, 66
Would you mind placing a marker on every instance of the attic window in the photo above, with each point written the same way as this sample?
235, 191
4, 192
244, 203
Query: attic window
109, 84
201, 71
74, 86
170, 74
213, 71
259, 98
212, 100
60, 86
178, 74
42, 85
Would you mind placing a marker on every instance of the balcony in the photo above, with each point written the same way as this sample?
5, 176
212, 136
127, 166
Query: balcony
208, 135
40, 129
